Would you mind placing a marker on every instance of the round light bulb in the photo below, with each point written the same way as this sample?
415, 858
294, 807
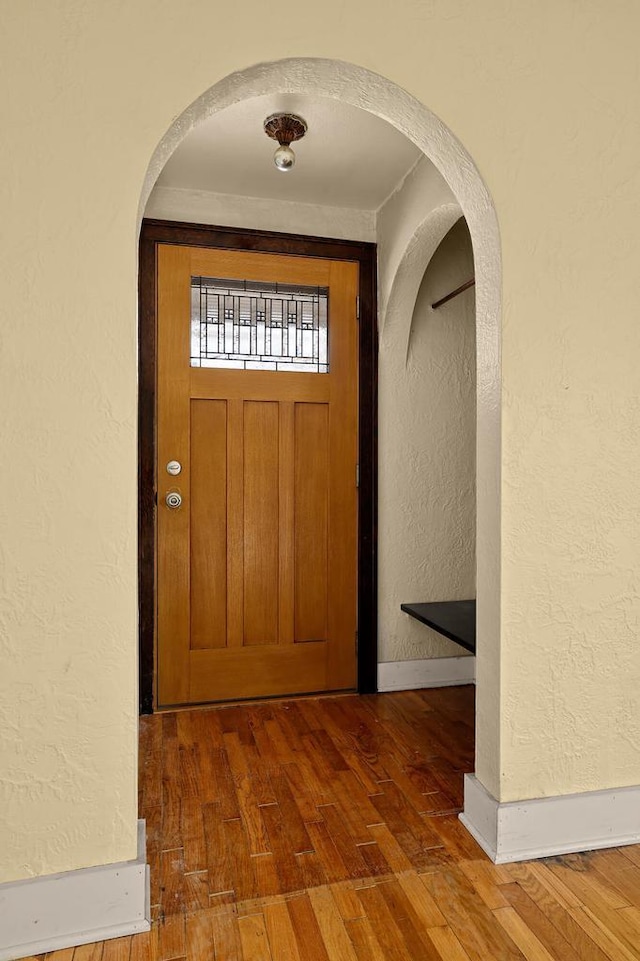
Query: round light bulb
284, 157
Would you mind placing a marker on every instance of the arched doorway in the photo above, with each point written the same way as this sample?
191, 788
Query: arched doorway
363, 89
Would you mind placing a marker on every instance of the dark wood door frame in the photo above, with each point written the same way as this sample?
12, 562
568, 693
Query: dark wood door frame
156, 232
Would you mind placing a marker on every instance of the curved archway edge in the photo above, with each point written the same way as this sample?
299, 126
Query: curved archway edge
362, 88
398, 310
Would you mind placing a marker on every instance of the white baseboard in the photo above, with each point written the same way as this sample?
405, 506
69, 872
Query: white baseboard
544, 827
427, 672
77, 907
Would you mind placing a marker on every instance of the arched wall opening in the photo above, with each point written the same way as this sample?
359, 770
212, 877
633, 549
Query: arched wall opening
427, 470
363, 89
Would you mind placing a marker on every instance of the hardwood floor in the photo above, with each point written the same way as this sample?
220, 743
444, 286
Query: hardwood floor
327, 830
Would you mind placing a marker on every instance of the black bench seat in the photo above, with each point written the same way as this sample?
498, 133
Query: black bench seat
455, 619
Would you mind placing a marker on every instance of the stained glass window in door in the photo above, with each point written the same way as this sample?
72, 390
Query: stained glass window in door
250, 325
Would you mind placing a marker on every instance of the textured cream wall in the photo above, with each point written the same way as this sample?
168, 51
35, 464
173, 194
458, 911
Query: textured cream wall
410, 226
258, 213
544, 97
422, 192
427, 514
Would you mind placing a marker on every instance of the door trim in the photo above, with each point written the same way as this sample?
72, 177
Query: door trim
156, 232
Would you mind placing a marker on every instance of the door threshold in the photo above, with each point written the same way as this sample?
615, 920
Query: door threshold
276, 699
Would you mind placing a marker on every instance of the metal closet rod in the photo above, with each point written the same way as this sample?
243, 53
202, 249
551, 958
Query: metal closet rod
454, 293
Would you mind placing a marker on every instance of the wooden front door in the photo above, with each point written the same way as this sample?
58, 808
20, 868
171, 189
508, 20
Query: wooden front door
257, 404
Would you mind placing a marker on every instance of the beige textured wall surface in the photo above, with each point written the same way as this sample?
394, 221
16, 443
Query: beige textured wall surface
422, 192
427, 514
544, 97
258, 213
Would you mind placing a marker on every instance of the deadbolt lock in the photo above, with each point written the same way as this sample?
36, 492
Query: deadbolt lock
174, 467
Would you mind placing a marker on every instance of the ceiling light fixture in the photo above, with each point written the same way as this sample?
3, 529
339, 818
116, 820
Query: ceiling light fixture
286, 128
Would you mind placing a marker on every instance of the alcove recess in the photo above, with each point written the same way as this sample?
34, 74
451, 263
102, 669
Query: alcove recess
441, 379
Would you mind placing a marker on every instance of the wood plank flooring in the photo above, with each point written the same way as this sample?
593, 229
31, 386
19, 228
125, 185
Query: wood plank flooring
327, 830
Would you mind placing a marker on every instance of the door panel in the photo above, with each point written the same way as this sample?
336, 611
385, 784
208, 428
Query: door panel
311, 493
208, 523
257, 568
261, 522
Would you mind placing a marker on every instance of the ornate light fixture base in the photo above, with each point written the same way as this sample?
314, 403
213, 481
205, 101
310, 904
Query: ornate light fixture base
286, 128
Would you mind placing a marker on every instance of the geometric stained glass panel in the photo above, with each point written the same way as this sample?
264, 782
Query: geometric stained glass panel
250, 325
